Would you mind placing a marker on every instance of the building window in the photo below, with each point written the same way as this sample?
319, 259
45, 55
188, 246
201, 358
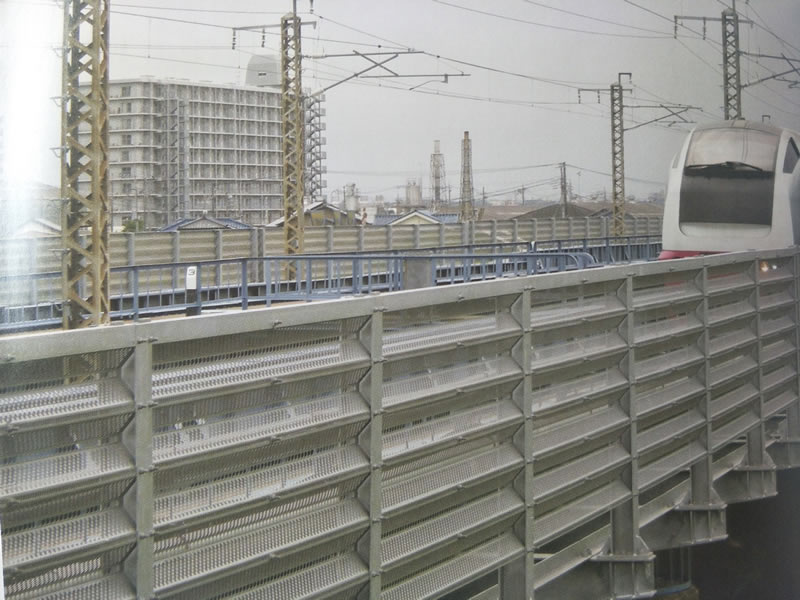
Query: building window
126, 91
127, 188
126, 156
127, 124
127, 139
126, 171
129, 107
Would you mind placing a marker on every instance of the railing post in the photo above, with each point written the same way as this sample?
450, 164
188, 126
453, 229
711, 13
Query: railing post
139, 500
135, 292
175, 238
629, 561
372, 390
517, 580
218, 252
329, 238
245, 284
389, 240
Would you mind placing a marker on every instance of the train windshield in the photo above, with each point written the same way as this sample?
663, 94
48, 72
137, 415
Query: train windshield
729, 177
733, 149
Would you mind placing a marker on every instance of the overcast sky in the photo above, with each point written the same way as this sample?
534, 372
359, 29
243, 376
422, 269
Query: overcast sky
524, 63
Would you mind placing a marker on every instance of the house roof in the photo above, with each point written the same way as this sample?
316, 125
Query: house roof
206, 222
426, 215
316, 206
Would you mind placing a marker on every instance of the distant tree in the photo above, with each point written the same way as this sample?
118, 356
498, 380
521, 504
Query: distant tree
656, 197
133, 226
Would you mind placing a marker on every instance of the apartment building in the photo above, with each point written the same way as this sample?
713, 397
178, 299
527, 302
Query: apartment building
181, 149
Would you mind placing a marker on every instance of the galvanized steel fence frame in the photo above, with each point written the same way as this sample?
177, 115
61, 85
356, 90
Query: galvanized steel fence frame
557, 430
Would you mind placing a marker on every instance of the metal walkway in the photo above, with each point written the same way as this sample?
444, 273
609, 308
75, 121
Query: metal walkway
159, 289
557, 431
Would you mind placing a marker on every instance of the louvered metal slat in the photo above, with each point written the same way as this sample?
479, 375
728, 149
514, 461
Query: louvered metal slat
667, 362
669, 430
666, 328
670, 464
429, 535
668, 395
778, 349
775, 300
729, 282
726, 371
587, 348
731, 340
665, 296
113, 587
561, 395
568, 475
742, 394
331, 576
727, 433
780, 402
575, 311
779, 324
778, 377
429, 338
52, 474
409, 492
202, 559
56, 542
321, 469
56, 406
455, 572
588, 427
478, 421
271, 425
575, 513
407, 391
252, 368
719, 315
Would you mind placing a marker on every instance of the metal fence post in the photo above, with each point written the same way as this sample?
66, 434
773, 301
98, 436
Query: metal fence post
141, 570
372, 390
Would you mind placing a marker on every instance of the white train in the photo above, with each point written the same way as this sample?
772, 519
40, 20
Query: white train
734, 185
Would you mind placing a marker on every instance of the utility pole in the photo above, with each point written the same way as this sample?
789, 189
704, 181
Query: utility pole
467, 213
293, 129
731, 71
84, 166
437, 176
618, 130
563, 168
618, 156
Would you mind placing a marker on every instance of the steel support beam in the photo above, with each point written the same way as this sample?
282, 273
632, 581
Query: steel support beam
732, 84
617, 159
293, 134
84, 166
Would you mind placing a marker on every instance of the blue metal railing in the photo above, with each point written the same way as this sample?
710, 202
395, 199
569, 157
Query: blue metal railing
145, 290
607, 250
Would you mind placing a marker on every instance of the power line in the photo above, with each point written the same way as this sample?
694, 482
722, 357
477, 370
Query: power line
546, 25
597, 19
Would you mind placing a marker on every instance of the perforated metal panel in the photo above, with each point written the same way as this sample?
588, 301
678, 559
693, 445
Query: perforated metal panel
376, 448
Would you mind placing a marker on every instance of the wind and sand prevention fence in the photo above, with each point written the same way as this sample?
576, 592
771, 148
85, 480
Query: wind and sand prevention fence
148, 269
557, 430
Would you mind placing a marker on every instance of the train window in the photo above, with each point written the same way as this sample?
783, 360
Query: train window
792, 156
732, 148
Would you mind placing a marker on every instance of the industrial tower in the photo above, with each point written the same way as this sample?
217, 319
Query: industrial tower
731, 72
467, 213
618, 157
84, 166
437, 177
293, 130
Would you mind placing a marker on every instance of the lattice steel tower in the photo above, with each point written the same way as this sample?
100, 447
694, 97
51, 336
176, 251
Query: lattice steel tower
467, 212
617, 158
293, 129
437, 177
732, 82
84, 167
